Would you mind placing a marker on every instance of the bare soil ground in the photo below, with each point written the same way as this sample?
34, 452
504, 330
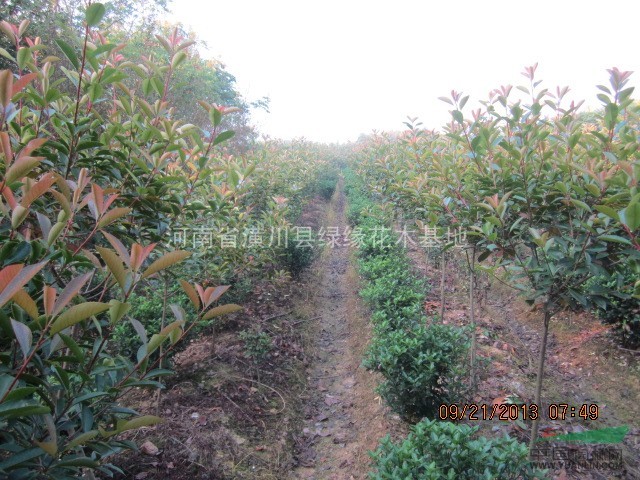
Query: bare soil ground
344, 419
308, 411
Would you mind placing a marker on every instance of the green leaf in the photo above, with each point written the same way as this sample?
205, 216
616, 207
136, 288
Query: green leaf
50, 447
221, 310
73, 346
94, 14
5, 383
23, 57
21, 457
21, 168
171, 327
118, 310
611, 115
112, 215
21, 408
77, 462
76, 314
23, 335
581, 204
178, 59
82, 439
166, 261
224, 136
55, 232
69, 53
608, 211
592, 189
89, 396
20, 393
582, 300
155, 342
484, 255
615, 239
6, 55
630, 216
87, 145
158, 372
95, 91
20, 254
215, 116
114, 264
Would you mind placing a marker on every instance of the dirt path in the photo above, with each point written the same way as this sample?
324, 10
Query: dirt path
344, 418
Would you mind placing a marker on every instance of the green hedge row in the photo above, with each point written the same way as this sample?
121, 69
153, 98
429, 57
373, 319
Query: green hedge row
422, 366
422, 363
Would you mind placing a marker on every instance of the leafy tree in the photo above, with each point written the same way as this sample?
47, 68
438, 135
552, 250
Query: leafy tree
551, 196
194, 79
63, 19
88, 195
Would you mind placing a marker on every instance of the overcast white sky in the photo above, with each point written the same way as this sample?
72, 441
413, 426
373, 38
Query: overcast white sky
335, 69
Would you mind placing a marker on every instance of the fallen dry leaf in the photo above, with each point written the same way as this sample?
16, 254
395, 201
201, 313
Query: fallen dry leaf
148, 448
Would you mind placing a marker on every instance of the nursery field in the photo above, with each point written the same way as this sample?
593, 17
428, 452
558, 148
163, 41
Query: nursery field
181, 298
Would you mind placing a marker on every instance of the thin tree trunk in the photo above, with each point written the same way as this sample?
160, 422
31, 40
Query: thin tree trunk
536, 401
472, 316
162, 325
430, 320
443, 266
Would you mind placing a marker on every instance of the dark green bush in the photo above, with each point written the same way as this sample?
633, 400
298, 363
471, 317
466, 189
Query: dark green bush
442, 450
620, 309
377, 241
357, 205
327, 182
422, 367
297, 256
402, 318
382, 265
359, 201
393, 293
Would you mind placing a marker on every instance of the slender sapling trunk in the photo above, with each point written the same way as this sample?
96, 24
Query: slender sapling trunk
543, 351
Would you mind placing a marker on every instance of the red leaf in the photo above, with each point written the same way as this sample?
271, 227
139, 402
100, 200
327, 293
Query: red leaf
18, 281
22, 82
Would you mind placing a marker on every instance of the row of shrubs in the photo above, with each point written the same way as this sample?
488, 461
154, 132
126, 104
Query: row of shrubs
147, 305
422, 363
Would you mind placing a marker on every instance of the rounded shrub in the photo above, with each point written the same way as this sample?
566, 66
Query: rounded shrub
422, 367
443, 450
327, 181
